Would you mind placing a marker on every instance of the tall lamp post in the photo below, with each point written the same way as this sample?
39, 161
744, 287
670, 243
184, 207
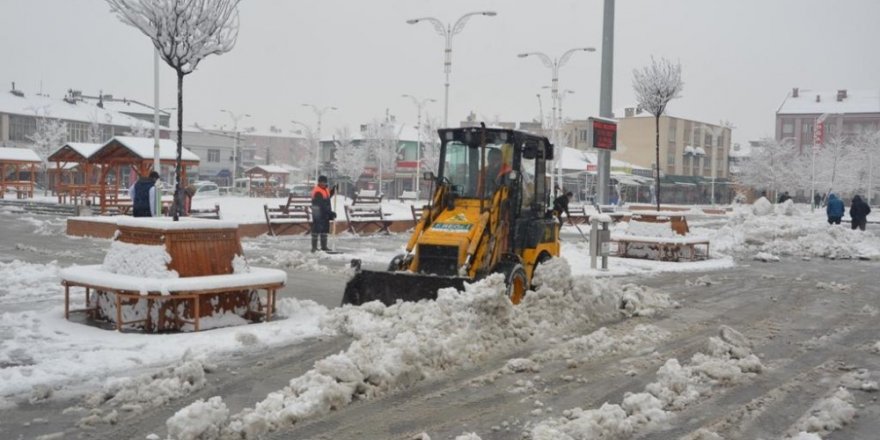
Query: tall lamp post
419, 105
447, 31
235, 119
319, 112
554, 64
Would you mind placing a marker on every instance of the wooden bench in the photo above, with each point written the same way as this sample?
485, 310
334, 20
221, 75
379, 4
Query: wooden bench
125, 296
367, 197
208, 213
362, 216
296, 214
676, 248
678, 223
578, 215
408, 195
662, 248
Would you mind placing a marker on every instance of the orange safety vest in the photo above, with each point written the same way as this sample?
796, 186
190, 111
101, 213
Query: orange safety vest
322, 191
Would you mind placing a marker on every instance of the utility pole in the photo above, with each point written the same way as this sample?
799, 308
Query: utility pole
157, 165
604, 156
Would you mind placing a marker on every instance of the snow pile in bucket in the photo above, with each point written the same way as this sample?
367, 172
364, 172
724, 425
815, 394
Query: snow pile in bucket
726, 360
800, 234
138, 260
395, 347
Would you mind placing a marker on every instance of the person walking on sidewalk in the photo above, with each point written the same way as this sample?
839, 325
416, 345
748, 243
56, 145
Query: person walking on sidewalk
859, 211
834, 209
322, 213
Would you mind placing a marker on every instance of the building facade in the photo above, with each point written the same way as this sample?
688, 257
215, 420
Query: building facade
846, 113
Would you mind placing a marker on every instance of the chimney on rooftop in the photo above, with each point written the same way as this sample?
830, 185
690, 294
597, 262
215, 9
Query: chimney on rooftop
629, 112
841, 95
18, 93
794, 92
818, 98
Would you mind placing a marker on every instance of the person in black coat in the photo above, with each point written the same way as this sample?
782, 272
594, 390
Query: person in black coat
322, 213
858, 212
560, 205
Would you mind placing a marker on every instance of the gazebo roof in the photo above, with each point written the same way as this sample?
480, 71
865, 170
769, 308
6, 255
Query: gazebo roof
124, 149
19, 156
74, 152
267, 169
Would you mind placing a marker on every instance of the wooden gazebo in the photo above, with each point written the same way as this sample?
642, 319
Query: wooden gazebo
268, 174
72, 164
16, 159
136, 155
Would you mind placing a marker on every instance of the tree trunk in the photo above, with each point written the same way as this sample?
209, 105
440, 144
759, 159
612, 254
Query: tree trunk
657, 151
179, 144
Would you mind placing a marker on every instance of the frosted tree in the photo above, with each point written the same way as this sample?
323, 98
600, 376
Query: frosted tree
655, 86
769, 166
305, 152
50, 135
382, 140
430, 145
350, 158
839, 170
867, 146
140, 129
184, 32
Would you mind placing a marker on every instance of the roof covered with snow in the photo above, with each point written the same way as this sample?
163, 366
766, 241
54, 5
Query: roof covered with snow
270, 169
574, 159
31, 105
143, 148
856, 101
18, 155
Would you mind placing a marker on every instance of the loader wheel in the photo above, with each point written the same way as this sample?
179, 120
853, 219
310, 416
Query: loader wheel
517, 284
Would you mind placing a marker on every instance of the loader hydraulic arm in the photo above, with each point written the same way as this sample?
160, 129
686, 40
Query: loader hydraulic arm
428, 217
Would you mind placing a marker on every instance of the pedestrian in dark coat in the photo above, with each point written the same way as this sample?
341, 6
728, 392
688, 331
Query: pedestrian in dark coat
560, 205
859, 211
322, 213
834, 209
143, 196
783, 197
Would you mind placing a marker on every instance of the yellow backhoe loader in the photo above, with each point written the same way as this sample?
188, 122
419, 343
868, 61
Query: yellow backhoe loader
488, 214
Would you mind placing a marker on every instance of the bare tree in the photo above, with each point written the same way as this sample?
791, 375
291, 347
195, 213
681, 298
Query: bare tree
655, 86
184, 32
382, 140
430, 144
349, 157
139, 129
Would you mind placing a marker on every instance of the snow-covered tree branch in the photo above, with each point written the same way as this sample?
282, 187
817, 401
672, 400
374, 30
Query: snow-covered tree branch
382, 140
430, 145
349, 157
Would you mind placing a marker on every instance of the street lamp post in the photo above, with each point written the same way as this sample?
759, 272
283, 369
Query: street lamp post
235, 119
319, 112
447, 31
419, 105
554, 64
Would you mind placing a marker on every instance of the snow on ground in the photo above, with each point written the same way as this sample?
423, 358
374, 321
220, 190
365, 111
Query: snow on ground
790, 230
726, 360
39, 348
397, 346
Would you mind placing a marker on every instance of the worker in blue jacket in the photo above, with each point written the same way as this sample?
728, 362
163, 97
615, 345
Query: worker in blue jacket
834, 209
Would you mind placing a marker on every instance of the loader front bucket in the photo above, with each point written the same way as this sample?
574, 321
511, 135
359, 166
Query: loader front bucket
389, 287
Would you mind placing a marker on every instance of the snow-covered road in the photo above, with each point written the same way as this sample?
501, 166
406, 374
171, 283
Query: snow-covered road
663, 350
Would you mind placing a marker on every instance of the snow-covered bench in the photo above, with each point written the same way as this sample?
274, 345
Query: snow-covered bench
660, 237
408, 195
362, 216
130, 290
295, 214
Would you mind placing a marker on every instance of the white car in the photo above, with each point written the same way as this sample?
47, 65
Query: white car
206, 189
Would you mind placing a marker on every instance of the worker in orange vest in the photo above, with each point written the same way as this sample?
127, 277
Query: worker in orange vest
322, 213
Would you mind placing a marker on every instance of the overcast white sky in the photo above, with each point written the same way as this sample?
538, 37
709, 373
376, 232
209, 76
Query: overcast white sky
739, 57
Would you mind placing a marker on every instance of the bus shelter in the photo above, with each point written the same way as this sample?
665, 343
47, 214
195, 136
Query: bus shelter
14, 164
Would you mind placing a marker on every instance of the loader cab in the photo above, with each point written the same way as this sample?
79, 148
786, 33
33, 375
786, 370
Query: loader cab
475, 162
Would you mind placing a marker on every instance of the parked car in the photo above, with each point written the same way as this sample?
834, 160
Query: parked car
299, 189
206, 189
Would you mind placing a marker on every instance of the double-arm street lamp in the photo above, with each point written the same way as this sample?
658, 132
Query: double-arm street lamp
554, 64
235, 119
447, 31
319, 112
419, 105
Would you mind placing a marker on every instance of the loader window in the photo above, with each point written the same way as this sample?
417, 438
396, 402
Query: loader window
463, 167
